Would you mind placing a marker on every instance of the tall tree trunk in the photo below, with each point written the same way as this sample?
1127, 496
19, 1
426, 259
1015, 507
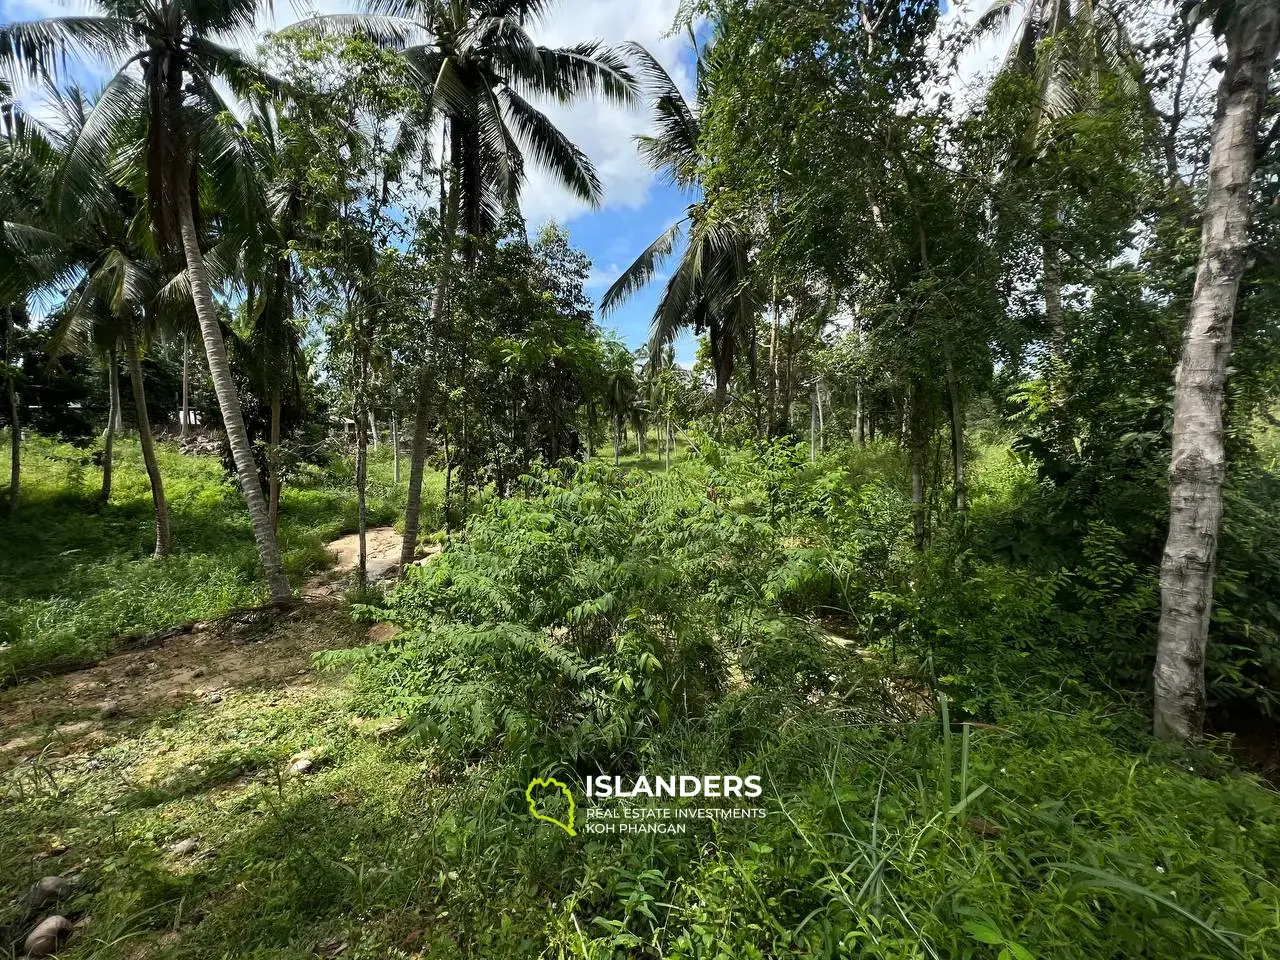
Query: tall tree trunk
1053, 296
617, 437
668, 444
813, 423
229, 402
273, 457
448, 478
1198, 464
822, 420
186, 382
395, 445
912, 421
859, 428
113, 389
421, 407
960, 488
373, 430
15, 427
362, 484
109, 435
161, 505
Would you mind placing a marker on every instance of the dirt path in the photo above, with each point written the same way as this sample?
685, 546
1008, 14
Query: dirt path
72, 711
382, 554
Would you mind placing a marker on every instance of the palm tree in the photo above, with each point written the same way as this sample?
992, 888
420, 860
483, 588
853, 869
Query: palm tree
104, 241
272, 344
620, 390
172, 43
474, 63
1065, 50
709, 290
24, 165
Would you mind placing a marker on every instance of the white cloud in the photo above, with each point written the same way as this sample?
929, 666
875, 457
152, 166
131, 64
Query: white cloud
604, 131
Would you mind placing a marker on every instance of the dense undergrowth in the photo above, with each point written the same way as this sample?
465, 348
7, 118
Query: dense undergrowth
80, 576
752, 613
945, 774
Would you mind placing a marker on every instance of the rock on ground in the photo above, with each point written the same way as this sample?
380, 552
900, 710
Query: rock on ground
48, 936
46, 892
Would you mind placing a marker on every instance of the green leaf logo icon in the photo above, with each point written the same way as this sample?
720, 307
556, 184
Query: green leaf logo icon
550, 784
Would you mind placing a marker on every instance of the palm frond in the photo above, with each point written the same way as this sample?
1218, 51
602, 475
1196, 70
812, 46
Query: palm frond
41, 49
388, 32
642, 269
552, 150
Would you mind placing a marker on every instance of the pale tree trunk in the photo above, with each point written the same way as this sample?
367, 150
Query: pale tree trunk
859, 431
448, 477
229, 403
15, 426
186, 384
273, 458
362, 476
421, 407
915, 438
373, 430
109, 435
813, 424
113, 389
1053, 297
668, 444
161, 505
395, 446
1198, 464
822, 421
960, 489
774, 323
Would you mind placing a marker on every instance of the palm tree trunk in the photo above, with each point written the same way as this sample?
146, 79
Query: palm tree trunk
186, 383
229, 402
163, 541
15, 427
113, 390
395, 446
1198, 463
362, 484
421, 408
109, 435
273, 457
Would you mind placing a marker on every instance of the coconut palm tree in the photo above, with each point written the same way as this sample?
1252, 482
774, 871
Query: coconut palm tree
1065, 48
174, 45
475, 64
621, 390
709, 289
112, 304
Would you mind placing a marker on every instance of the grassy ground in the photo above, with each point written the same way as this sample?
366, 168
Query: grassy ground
77, 575
187, 831
217, 797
